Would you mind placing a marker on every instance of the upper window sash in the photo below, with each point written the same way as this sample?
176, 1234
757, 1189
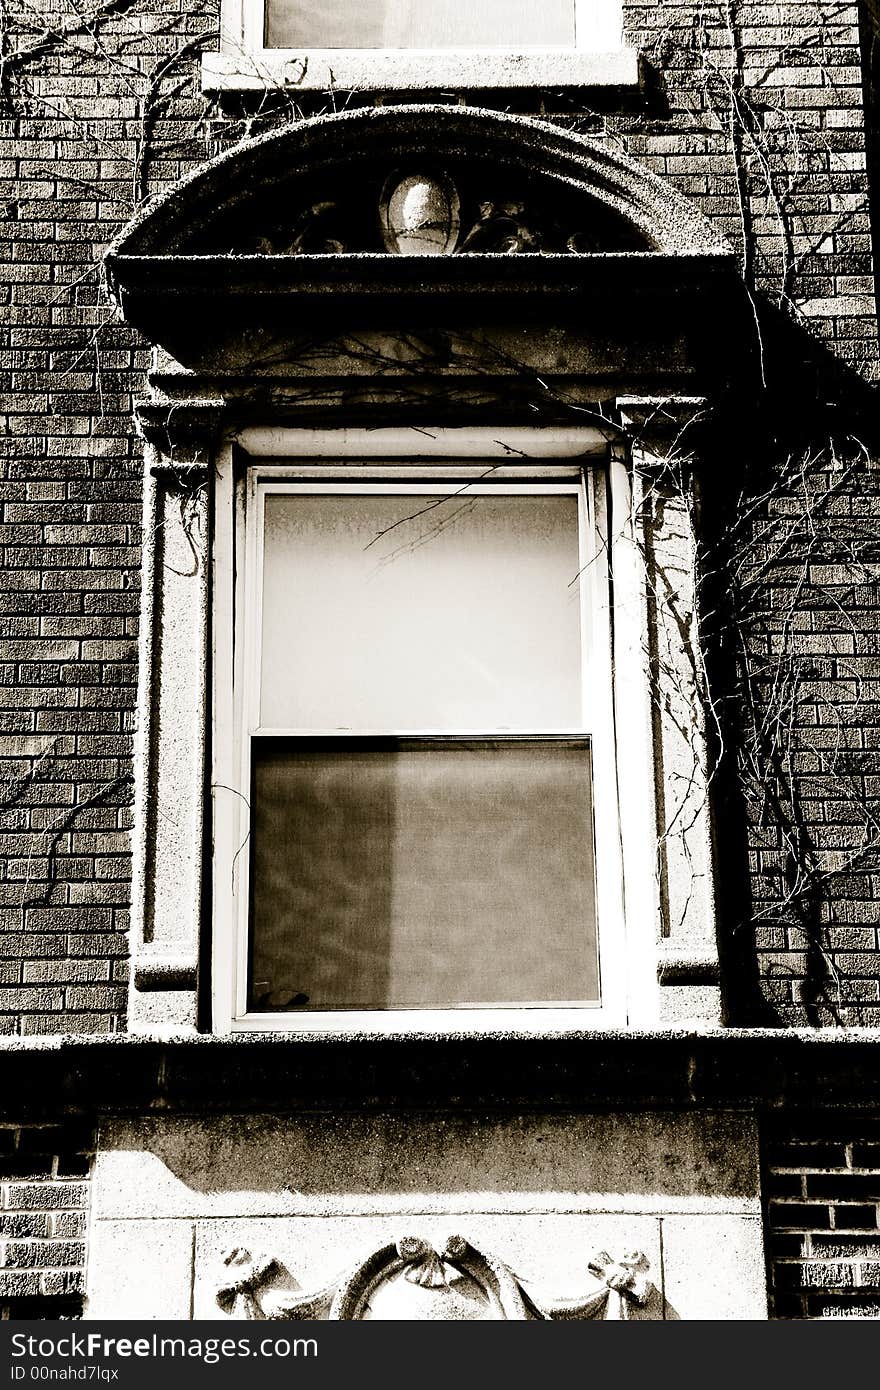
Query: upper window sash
508, 617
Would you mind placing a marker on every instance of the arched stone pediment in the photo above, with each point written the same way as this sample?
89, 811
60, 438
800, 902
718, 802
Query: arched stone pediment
316, 186
301, 256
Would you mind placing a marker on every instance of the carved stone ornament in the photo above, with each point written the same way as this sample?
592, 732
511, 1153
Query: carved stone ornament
419, 214
412, 1281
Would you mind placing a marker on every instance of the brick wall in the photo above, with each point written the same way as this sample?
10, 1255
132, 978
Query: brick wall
44, 1173
813, 811
789, 169
71, 131
96, 115
822, 1190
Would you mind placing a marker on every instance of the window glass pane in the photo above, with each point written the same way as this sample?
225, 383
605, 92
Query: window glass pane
420, 24
420, 875
421, 612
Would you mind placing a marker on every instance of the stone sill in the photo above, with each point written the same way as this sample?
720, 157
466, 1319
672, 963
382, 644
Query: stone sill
754, 1069
402, 70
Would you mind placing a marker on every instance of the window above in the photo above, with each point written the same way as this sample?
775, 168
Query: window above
428, 24
401, 44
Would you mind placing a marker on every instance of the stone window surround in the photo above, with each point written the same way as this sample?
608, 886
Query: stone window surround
242, 63
204, 310
179, 670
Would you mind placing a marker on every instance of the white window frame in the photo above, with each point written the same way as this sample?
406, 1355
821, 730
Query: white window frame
327, 461
597, 58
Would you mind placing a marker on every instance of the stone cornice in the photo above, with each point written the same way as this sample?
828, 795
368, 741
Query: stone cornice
154, 291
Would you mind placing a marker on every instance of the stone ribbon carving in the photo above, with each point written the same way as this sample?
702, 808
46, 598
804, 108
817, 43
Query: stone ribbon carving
625, 1285
411, 1280
247, 1292
238, 1296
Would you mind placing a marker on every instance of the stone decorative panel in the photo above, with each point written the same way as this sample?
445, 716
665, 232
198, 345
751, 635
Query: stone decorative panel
411, 1280
265, 184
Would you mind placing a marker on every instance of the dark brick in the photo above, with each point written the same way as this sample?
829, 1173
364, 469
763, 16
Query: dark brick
783, 1185
806, 1156
842, 1307
787, 1306
782, 1246
24, 1166
74, 1136
845, 1187
855, 1218
866, 1156
799, 1216
73, 1166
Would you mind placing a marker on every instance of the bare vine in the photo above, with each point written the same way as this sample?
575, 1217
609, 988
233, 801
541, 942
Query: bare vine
775, 155
785, 587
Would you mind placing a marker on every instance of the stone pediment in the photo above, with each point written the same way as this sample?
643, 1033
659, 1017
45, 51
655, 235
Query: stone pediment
395, 242
317, 187
412, 200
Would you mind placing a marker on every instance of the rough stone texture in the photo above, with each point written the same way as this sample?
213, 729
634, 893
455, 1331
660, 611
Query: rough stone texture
44, 1171
540, 1193
716, 1265
822, 1191
95, 116
141, 1269
418, 72
551, 1250
256, 1165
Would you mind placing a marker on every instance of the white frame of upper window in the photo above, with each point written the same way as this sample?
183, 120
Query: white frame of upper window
597, 58
522, 459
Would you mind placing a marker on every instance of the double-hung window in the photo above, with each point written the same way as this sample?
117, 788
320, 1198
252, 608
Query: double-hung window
415, 782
